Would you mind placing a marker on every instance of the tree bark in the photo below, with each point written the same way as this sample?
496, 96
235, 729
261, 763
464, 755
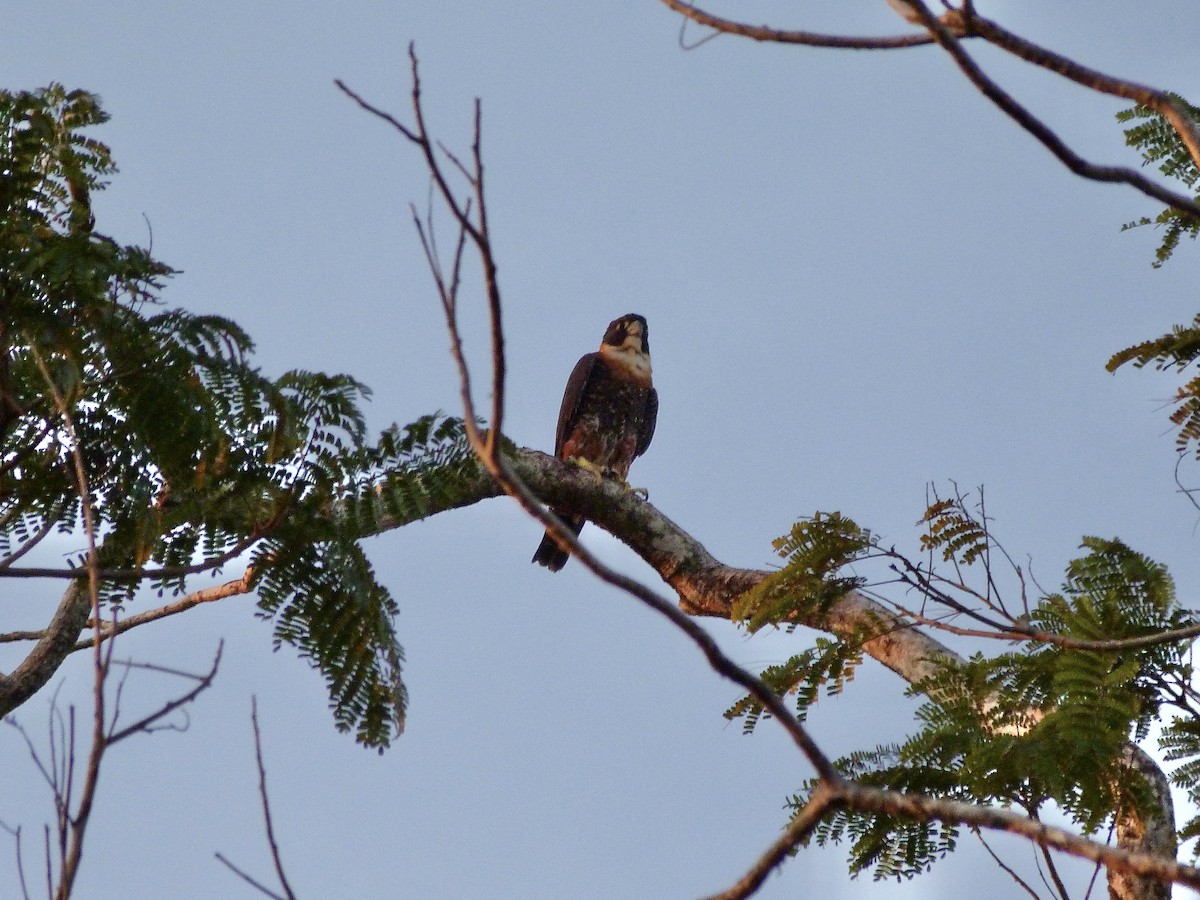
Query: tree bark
1145, 833
48, 654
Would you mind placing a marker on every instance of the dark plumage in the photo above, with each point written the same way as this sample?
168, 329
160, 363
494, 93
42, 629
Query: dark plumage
607, 416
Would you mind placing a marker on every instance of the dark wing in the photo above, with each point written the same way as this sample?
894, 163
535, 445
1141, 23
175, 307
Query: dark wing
572, 397
649, 419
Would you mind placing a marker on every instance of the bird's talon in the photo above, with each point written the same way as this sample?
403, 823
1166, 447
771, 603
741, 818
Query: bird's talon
589, 466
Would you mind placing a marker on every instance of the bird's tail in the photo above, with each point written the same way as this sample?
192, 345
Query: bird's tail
549, 554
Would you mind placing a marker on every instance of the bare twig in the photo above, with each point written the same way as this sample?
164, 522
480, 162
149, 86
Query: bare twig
266, 804
1152, 98
1054, 876
16, 833
59, 771
1005, 866
37, 538
785, 36
110, 629
146, 723
143, 574
823, 800
276, 859
77, 825
262, 888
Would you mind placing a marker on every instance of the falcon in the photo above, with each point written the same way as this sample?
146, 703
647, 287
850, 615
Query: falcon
607, 416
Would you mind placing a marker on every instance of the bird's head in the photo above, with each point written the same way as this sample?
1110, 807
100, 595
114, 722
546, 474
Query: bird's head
628, 333
626, 345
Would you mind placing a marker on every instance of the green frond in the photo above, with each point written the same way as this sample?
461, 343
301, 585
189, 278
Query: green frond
1180, 740
325, 601
816, 550
408, 475
829, 664
1160, 146
1178, 349
892, 847
956, 532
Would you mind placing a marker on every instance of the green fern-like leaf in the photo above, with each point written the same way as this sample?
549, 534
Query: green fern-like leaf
1160, 146
954, 531
816, 550
1177, 349
829, 664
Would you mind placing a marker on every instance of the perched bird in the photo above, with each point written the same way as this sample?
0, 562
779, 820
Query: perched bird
607, 416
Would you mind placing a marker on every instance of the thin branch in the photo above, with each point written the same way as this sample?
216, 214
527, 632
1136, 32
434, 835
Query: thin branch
967, 24
288, 894
1152, 98
242, 585
77, 824
71, 818
1005, 866
822, 801
1031, 123
1015, 630
109, 629
266, 804
143, 574
42, 532
262, 888
1054, 876
146, 723
784, 36
487, 448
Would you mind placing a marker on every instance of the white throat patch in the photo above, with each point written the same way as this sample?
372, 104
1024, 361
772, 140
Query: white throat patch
629, 356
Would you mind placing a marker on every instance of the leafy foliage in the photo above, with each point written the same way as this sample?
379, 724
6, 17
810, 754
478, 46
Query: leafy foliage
891, 847
1046, 724
816, 550
954, 531
830, 664
1160, 145
1178, 349
192, 456
1181, 740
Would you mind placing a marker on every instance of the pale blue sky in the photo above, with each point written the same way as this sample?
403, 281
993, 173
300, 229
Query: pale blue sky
859, 279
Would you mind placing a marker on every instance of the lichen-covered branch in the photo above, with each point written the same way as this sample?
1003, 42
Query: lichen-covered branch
55, 644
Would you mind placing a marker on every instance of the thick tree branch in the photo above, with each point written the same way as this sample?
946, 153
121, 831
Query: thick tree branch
1152, 833
55, 644
704, 586
922, 808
